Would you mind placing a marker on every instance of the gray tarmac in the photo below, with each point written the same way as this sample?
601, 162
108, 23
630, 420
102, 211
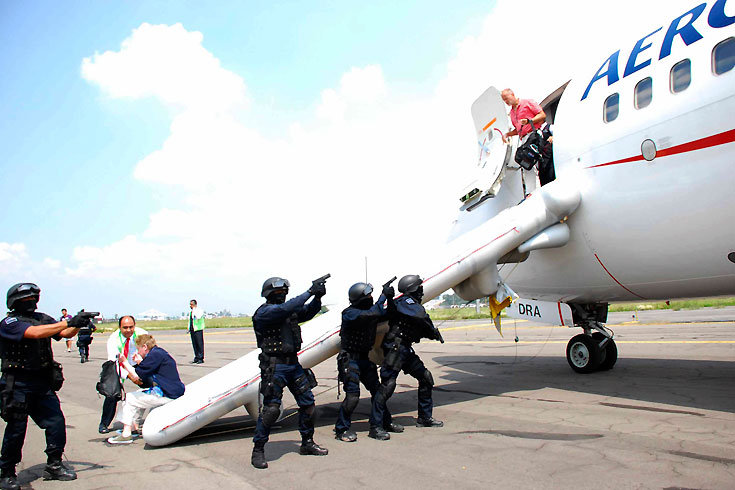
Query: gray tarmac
515, 416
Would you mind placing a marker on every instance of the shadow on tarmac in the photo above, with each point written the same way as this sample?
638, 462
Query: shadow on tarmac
690, 384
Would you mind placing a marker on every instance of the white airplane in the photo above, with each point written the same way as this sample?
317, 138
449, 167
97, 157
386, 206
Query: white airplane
642, 207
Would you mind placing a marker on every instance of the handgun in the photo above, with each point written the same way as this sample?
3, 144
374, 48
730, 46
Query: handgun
388, 283
321, 280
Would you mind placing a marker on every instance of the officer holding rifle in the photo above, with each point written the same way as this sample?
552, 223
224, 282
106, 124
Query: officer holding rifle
278, 333
30, 380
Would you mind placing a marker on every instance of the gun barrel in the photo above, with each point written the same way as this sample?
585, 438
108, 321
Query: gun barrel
389, 282
322, 279
90, 314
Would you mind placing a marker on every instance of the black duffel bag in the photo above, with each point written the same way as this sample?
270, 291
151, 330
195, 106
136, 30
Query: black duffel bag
109, 384
528, 153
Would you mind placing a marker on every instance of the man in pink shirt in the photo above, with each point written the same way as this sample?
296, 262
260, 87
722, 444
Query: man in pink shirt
521, 112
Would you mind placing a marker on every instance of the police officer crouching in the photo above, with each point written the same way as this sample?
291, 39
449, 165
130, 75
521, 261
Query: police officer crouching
359, 323
277, 330
408, 325
30, 379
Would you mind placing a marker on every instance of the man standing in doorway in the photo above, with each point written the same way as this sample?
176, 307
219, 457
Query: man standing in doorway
196, 330
523, 113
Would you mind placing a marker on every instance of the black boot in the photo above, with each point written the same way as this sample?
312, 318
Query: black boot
308, 446
348, 435
8, 480
378, 433
258, 457
57, 470
393, 427
430, 422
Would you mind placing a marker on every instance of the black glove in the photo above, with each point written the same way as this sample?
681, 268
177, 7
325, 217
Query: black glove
78, 321
389, 292
318, 289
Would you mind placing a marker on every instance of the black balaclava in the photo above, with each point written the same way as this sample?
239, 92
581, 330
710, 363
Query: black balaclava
418, 294
365, 303
26, 305
278, 297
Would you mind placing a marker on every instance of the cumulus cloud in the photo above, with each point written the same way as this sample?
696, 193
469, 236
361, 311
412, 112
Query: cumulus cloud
372, 173
169, 63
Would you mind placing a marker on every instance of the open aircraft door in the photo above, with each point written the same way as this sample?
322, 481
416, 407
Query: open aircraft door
491, 122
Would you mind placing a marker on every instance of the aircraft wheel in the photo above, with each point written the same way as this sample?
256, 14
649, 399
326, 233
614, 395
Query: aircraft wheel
610, 352
583, 355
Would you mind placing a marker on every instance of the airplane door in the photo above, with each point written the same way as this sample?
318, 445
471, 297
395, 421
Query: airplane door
490, 118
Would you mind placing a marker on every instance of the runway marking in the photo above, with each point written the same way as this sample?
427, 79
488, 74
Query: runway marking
616, 341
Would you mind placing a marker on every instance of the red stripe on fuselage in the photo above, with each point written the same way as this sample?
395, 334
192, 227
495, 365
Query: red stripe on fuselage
706, 142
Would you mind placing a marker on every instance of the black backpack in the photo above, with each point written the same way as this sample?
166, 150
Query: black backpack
110, 385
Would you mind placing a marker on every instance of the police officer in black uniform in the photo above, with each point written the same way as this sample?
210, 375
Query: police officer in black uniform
359, 323
84, 338
30, 379
277, 330
409, 325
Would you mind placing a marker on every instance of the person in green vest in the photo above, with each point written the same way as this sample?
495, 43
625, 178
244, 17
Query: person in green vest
196, 330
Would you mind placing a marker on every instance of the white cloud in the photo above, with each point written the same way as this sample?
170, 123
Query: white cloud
373, 173
169, 63
12, 253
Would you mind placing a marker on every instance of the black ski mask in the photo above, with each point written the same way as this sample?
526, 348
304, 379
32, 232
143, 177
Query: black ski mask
365, 303
278, 297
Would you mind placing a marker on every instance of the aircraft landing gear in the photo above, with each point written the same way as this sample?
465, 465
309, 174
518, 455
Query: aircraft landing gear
595, 349
587, 352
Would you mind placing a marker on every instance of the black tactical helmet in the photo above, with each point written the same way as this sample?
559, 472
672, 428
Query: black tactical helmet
21, 291
409, 284
359, 291
273, 283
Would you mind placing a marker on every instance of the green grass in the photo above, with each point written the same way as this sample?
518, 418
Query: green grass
685, 304
443, 314
233, 322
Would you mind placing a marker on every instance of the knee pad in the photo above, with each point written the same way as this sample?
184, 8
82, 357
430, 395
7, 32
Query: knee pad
427, 378
270, 414
350, 402
388, 388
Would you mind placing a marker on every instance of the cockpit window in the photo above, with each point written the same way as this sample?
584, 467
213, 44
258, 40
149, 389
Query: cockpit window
611, 108
643, 93
723, 56
681, 76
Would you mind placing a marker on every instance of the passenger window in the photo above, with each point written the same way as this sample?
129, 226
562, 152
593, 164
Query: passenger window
611, 108
681, 76
723, 56
643, 93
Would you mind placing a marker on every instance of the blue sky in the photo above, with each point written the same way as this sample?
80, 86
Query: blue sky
206, 146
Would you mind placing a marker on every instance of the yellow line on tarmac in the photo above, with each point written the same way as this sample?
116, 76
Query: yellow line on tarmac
246, 342
617, 341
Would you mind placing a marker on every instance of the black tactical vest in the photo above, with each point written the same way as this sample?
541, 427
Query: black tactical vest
28, 354
278, 338
358, 336
403, 327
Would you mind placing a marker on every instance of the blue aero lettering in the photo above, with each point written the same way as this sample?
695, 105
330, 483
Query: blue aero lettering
682, 27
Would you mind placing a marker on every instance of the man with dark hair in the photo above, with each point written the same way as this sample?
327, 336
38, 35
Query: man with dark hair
30, 379
66, 317
196, 330
120, 342
277, 330
409, 325
359, 324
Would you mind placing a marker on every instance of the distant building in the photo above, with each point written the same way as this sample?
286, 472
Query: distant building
433, 304
151, 315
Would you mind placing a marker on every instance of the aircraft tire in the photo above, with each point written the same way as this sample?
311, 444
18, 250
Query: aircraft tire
610, 352
583, 355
